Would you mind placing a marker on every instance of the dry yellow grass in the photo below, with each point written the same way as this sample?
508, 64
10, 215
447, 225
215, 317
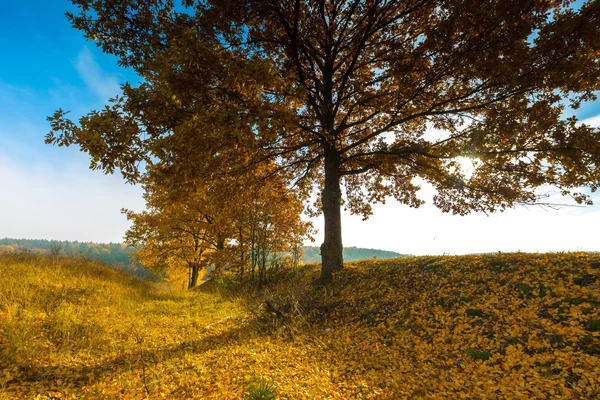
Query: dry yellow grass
70, 328
478, 327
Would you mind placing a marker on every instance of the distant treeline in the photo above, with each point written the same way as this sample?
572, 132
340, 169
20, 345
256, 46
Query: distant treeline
119, 255
115, 254
312, 254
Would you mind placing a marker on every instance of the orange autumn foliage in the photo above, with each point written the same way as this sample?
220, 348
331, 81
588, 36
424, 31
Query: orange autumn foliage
244, 223
356, 100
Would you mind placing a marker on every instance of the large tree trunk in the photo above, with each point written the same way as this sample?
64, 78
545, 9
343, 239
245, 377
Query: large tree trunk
331, 249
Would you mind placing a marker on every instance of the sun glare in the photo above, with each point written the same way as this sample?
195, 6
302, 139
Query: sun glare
467, 166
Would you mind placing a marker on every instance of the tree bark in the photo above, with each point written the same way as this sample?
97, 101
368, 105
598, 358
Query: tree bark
331, 249
220, 246
194, 270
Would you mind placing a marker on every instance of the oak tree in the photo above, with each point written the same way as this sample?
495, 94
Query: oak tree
346, 93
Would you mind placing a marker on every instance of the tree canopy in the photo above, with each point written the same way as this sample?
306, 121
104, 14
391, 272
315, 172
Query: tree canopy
346, 93
238, 223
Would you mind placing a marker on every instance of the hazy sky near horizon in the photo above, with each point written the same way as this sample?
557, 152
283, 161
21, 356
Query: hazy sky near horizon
48, 192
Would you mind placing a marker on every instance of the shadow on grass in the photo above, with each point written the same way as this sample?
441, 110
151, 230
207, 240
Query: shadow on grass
75, 377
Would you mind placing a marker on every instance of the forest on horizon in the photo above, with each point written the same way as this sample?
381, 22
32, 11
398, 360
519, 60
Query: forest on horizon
120, 255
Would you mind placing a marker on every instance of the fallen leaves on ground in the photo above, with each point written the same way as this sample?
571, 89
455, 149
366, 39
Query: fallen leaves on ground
478, 327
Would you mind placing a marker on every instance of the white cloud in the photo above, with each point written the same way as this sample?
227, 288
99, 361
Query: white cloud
429, 231
11, 94
592, 121
63, 201
100, 83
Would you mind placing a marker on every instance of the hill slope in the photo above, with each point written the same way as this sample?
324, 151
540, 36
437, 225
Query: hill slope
312, 254
494, 326
119, 255
114, 254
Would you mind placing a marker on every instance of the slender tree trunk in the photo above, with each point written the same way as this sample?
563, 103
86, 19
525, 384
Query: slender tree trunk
193, 273
331, 249
194, 270
253, 251
242, 251
220, 246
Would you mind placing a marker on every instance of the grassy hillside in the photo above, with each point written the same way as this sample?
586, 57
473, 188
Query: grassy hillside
312, 254
115, 254
494, 327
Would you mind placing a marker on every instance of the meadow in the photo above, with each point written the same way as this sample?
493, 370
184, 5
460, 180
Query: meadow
498, 326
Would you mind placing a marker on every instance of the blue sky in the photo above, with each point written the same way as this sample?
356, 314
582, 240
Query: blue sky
49, 192
45, 191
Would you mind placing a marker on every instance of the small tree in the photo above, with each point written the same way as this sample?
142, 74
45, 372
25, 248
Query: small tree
273, 228
173, 234
223, 222
56, 249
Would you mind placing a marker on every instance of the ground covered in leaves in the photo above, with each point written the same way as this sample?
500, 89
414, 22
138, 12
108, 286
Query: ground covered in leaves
477, 327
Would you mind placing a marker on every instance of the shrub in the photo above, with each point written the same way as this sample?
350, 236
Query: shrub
584, 280
261, 390
593, 325
470, 312
478, 355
